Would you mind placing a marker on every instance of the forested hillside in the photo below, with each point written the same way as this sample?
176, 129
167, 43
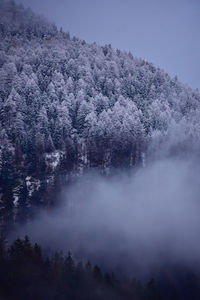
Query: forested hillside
66, 106
27, 272
59, 277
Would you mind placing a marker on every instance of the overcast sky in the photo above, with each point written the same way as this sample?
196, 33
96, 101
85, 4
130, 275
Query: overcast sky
165, 32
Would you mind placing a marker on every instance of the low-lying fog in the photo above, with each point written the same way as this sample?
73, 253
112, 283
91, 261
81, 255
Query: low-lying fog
129, 222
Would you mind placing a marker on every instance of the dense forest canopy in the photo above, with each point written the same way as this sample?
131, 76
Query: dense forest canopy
67, 109
60, 277
66, 106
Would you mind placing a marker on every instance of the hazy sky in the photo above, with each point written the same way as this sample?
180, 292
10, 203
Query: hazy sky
165, 32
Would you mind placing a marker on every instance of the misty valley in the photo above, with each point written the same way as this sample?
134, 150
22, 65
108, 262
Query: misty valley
99, 170
131, 235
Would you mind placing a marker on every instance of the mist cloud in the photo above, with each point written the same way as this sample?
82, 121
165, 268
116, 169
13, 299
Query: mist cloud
134, 221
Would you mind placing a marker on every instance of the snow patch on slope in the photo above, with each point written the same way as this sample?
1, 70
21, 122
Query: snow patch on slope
32, 185
16, 192
53, 159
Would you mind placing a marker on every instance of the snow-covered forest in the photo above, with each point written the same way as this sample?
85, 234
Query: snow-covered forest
66, 106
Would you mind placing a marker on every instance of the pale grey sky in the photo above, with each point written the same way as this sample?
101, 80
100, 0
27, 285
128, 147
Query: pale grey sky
165, 32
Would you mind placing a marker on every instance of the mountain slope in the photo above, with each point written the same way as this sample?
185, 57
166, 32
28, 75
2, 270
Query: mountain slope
66, 106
